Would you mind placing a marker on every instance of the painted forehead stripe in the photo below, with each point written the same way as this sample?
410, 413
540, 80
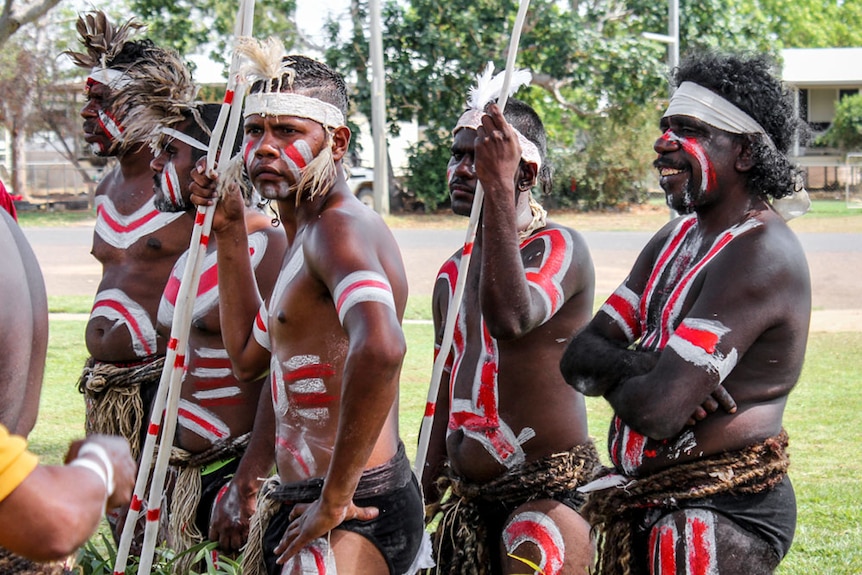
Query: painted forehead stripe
291, 104
359, 287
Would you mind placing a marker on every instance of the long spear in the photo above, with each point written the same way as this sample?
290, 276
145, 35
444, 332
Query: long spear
464, 265
170, 383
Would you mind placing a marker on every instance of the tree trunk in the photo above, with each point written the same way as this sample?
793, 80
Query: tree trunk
19, 161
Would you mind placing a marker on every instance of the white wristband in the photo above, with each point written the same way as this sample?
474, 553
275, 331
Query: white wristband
91, 448
95, 468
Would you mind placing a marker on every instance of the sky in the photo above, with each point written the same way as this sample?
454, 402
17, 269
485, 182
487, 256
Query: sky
311, 16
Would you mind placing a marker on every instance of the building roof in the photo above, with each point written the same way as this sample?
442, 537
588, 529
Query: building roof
838, 67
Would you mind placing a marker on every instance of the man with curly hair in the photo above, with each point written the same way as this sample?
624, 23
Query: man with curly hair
699, 348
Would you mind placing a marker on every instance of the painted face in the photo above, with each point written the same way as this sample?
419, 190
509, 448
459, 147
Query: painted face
461, 171
102, 130
172, 164
276, 150
689, 157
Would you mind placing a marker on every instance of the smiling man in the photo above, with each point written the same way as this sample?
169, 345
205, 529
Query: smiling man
698, 350
344, 499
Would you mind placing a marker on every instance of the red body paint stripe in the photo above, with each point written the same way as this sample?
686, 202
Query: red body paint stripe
296, 455
118, 227
429, 409
699, 555
306, 400
228, 97
361, 285
202, 422
153, 514
129, 319
706, 340
314, 370
295, 156
135, 504
153, 429
220, 401
625, 309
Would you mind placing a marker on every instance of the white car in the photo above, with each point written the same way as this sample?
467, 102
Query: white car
361, 182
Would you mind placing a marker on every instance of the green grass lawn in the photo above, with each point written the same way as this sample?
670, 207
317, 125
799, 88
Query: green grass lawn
822, 419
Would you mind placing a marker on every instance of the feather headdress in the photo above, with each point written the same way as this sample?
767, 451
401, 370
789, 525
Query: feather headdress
160, 94
264, 61
101, 39
488, 88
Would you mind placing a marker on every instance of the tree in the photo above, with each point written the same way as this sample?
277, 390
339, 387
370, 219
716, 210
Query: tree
191, 25
14, 17
815, 23
845, 132
592, 69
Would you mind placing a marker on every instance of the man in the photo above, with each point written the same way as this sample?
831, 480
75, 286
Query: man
24, 333
46, 512
136, 244
699, 348
344, 493
217, 410
513, 435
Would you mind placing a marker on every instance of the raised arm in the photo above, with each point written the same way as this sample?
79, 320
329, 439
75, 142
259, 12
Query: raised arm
239, 296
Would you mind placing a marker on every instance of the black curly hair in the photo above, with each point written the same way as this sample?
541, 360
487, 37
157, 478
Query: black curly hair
313, 79
750, 83
524, 119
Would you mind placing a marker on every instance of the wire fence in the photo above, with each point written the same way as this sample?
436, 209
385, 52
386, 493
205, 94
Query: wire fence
834, 177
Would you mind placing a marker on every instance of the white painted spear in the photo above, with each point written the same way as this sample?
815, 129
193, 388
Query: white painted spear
166, 402
464, 265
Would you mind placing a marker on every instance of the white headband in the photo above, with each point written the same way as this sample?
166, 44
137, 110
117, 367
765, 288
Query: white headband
110, 77
694, 100
177, 135
473, 119
290, 104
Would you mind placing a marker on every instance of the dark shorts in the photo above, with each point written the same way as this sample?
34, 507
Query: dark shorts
211, 484
495, 514
397, 531
770, 515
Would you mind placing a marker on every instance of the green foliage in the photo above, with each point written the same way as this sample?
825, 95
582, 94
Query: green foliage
187, 25
99, 558
815, 23
426, 170
845, 132
612, 165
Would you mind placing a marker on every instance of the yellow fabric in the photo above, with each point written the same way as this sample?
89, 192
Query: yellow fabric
16, 463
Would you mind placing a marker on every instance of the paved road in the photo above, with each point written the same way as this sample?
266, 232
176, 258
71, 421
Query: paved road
834, 260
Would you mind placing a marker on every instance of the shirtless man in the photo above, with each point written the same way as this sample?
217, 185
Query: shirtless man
136, 244
512, 433
46, 512
24, 333
217, 410
699, 348
344, 496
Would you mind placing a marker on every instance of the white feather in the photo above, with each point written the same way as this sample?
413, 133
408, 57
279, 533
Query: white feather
489, 87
